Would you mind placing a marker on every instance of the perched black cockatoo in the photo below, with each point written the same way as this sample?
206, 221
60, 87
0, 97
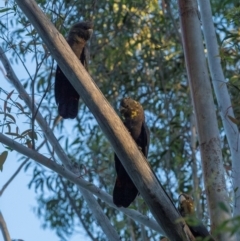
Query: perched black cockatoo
186, 209
124, 191
66, 96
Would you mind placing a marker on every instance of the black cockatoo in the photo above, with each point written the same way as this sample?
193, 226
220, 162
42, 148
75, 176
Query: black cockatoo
124, 191
66, 96
186, 209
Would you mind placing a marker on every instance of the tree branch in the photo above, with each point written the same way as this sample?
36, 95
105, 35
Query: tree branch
132, 159
3, 227
76, 209
61, 170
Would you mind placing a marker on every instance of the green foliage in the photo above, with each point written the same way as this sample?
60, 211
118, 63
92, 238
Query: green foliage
135, 51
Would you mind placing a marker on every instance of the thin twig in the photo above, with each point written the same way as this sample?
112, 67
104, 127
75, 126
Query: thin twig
13, 176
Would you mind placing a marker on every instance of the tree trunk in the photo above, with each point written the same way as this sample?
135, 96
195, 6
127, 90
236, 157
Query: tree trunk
223, 98
210, 146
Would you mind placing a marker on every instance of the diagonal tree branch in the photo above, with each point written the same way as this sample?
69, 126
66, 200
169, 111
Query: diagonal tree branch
132, 159
76, 209
79, 181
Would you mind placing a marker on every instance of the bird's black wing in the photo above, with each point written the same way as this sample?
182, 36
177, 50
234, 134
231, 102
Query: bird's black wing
200, 230
66, 96
125, 191
146, 139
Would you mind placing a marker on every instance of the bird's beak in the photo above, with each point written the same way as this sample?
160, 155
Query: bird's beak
122, 110
181, 198
90, 31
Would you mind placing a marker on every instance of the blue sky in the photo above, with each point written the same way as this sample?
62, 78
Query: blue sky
17, 204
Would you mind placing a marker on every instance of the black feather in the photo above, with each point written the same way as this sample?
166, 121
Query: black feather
66, 96
125, 191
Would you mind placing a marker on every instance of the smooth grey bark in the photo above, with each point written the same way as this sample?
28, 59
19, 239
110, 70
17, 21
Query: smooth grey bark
201, 92
132, 159
223, 98
100, 216
196, 188
3, 227
77, 211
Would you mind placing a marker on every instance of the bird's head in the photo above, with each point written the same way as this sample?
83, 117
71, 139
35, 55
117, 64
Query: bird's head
186, 204
131, 109
83, 30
